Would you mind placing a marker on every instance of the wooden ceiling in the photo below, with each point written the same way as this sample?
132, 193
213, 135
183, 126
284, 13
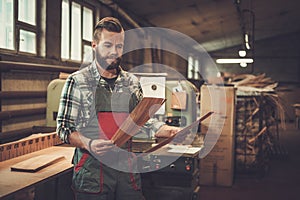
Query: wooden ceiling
218, 24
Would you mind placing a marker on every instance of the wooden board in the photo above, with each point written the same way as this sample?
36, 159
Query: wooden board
36, 163
137, 118
179, 133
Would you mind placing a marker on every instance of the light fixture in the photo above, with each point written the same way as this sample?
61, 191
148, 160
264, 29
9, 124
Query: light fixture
242, 64
246, 38
242, 53
234, 60
247, 44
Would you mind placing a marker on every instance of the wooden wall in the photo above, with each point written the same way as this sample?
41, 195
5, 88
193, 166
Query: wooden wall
24, 78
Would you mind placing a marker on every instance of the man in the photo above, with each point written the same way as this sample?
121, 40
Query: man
94, 102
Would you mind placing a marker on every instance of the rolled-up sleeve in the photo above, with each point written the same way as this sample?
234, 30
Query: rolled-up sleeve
68, 109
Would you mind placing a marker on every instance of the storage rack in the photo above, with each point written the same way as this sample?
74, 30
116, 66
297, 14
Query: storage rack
253, 137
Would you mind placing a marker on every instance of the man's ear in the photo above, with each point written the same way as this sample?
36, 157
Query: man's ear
93, 44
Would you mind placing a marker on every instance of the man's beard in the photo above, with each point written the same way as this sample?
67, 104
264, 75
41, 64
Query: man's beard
103, 64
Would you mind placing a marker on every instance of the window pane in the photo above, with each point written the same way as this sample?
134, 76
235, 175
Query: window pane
196, 71
190, 67
65, 30
87, 24
87, 53
7, 24
27, 11
27, 41
76, 32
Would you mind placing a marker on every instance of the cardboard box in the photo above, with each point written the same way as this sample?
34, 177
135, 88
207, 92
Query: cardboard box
220, 100
217, 167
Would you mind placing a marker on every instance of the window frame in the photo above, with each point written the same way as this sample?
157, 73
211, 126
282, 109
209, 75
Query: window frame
83, 41
196, 67
20, 25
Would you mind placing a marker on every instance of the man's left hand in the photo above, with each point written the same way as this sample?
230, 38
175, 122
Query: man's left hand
167, 131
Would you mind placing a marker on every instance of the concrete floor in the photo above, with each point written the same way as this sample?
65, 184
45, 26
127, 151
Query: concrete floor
280, 182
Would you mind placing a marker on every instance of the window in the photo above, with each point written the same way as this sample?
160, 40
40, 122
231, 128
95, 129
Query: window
65, 31
87, 53
193, 68
27, 26
190, 67
87, 34
88, 23
7, 24
26, 11
27, 41
76, 31
19, 34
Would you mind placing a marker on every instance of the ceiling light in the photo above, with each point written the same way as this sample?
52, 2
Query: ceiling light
242, 64
242, 53
246, 38
247, 45
234, 60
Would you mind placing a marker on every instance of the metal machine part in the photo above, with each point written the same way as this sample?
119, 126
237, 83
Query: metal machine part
175, 180
179, 121
187, 115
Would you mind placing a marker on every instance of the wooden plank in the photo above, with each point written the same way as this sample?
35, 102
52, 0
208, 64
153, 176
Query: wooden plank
137, 118
36, 163
184, 131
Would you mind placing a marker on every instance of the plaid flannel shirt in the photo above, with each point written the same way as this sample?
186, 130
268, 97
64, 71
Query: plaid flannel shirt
77, 100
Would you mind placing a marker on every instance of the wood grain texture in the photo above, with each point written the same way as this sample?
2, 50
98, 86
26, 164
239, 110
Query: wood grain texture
14, 181
36, 163
184, 131
137, 118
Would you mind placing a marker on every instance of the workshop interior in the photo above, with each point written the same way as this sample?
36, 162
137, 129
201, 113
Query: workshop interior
228, 72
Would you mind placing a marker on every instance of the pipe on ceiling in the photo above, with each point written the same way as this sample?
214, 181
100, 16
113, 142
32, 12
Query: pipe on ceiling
116, 8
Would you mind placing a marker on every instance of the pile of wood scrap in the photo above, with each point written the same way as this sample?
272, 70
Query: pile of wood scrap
250, 82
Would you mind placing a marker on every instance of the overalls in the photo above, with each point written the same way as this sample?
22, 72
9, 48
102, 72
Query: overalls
103, 178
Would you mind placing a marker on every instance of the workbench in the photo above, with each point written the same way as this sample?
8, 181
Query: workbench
12, 182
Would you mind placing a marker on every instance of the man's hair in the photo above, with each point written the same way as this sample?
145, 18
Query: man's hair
111, 24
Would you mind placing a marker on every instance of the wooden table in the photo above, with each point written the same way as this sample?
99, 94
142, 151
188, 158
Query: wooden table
14, 181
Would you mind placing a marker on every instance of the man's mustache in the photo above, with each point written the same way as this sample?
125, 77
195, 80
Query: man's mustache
116, 59
112, 57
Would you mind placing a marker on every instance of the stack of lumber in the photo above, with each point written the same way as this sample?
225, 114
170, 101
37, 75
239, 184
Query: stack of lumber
250, 82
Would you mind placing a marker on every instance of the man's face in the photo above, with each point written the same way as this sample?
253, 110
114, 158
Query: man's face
109, 49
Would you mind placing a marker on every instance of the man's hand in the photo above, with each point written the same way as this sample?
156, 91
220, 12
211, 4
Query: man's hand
100, 146
96, 146
167, 131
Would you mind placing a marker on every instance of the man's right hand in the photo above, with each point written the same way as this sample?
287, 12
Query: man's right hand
95, 146
100, 146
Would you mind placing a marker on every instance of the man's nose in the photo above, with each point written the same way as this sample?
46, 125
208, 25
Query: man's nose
114, 50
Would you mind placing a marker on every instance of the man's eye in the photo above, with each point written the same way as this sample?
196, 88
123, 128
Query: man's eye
108, 45
119, 46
